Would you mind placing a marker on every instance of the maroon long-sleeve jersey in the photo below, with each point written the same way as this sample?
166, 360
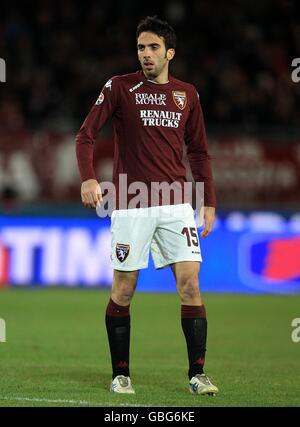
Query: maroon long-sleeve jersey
151, 124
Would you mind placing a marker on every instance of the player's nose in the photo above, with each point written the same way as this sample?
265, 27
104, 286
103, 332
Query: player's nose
147, 52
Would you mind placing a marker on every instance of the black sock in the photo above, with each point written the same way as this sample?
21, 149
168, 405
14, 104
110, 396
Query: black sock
194, 325
117, 321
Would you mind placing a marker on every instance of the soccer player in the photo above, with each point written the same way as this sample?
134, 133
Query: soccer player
154, 115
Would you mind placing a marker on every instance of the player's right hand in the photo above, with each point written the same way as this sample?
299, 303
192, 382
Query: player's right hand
91, 195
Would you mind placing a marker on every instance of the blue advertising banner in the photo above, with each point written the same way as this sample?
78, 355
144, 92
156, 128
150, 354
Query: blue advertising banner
256, 252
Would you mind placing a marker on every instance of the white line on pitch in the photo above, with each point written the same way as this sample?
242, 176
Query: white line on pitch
35, 399
74, 402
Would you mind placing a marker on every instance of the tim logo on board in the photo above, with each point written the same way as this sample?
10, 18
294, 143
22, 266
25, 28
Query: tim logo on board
270, 263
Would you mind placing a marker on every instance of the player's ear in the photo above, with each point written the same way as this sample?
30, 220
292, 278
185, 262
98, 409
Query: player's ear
170, 54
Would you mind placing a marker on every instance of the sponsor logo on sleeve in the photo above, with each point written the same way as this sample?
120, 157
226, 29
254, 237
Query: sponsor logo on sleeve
108, 84
100, 99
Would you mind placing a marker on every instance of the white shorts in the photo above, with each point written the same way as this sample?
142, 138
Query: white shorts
169, 231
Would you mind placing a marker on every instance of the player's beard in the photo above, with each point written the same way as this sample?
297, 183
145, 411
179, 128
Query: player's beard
155, 72
151, 73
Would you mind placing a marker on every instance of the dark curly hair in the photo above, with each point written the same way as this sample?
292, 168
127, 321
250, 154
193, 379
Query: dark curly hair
161, 28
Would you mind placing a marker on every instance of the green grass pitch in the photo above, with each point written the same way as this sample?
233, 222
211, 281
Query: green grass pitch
56, 350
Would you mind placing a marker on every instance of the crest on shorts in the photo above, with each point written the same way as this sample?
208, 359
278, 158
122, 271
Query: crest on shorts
179, 98
122, 251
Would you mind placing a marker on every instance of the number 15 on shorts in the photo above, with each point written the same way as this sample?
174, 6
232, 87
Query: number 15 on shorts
191, 236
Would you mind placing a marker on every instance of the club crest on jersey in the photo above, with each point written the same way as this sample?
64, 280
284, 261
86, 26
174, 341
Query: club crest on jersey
179, 98
122, 251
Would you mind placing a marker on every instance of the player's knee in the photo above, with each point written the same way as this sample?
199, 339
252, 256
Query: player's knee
127, 289
123, 294
188, 287
124, 286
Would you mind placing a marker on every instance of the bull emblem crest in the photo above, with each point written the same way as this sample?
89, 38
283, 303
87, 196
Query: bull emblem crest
180, 99
122, 251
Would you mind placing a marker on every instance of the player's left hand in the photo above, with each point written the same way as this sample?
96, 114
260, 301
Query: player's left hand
209, 219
